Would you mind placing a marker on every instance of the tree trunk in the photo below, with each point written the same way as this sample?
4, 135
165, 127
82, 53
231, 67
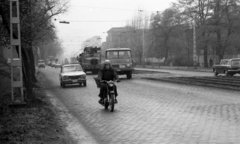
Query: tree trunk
205, 52
166, 51
27, 74
32, 63
220, 57
219, 45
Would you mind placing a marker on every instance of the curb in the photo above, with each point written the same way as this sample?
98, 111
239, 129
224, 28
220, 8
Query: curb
192, 83
177, 68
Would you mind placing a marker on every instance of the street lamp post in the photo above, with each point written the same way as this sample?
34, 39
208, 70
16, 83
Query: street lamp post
194, 45
143, 43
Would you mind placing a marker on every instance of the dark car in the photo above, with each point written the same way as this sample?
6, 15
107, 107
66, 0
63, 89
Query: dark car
41, 63
229, 67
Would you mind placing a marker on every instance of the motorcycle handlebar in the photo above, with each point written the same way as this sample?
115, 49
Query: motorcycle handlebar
110, 81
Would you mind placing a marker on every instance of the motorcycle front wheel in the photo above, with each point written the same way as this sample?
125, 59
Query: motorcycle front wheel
112, 102
106, 103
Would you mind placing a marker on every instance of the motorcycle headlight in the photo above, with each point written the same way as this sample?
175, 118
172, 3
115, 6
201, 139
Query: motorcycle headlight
111, 85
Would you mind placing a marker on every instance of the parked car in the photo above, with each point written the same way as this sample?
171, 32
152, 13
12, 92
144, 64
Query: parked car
72, 74
53, 64
229, 67
41, 63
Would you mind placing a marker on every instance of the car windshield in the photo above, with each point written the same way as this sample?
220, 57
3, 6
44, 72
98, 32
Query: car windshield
119, 54
235, 62
72, 68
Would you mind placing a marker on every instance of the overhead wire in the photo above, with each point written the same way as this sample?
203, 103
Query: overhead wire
108, 8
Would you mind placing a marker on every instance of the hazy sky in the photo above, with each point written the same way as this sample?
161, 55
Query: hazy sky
90, 18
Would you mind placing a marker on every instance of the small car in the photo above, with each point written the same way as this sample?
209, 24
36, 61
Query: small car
229, 67
72, 74
41, 63
58, 65
53, 64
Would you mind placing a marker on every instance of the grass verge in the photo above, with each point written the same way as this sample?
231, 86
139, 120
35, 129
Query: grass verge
37, 123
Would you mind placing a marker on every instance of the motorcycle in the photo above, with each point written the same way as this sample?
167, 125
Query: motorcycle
109, 95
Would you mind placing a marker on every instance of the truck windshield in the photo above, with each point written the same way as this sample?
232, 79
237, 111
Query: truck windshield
119, 54
236, 63
92, 54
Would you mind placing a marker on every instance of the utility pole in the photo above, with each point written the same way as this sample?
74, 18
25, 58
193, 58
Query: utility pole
16, 62
143, 41
194, 45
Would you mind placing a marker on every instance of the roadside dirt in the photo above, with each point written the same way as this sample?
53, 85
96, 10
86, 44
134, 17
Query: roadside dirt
36, 123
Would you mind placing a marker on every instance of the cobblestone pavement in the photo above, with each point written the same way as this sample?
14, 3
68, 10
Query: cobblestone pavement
152, 112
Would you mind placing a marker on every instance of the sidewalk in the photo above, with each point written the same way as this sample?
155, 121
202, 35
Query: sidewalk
177, 68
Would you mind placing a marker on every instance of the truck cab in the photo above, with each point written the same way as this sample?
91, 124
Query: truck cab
121, 60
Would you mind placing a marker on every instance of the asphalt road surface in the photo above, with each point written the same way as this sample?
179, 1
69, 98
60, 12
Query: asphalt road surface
151, 112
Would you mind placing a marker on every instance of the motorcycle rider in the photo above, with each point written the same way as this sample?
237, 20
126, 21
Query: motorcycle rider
107, 73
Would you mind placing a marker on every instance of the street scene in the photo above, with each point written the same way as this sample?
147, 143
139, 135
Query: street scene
119, 72
152, 112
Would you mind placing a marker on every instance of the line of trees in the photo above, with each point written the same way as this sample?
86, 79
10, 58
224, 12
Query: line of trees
169, 33
36, 29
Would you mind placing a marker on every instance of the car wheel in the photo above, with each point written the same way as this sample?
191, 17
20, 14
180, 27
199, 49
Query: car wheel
215, 73
226, 73
85, 83
63, 85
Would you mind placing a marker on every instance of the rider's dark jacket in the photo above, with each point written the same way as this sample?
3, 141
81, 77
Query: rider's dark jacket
107, 74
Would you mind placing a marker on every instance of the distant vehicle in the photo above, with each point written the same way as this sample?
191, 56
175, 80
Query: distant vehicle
49, 63
74, 60
57, 65
121, 60
90, 59
72, 74
229, 67
41, 63
53, 63
66, 61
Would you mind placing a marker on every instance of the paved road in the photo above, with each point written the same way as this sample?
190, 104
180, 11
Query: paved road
153, 112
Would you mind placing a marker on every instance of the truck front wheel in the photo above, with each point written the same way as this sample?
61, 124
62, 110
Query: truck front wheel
129, 75
227, 73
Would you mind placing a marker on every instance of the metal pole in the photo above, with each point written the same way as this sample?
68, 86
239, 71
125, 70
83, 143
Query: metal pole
119, 40
194, 46
16, 63
143, 47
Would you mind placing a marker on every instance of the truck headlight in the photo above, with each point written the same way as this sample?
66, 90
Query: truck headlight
129, 65
82, 77
65, 77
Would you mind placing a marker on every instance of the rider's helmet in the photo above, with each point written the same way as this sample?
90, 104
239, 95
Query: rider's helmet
107, 62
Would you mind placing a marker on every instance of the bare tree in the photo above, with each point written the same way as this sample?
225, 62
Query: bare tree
34, 16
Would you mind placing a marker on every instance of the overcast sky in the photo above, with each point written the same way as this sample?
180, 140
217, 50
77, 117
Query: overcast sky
90, 18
